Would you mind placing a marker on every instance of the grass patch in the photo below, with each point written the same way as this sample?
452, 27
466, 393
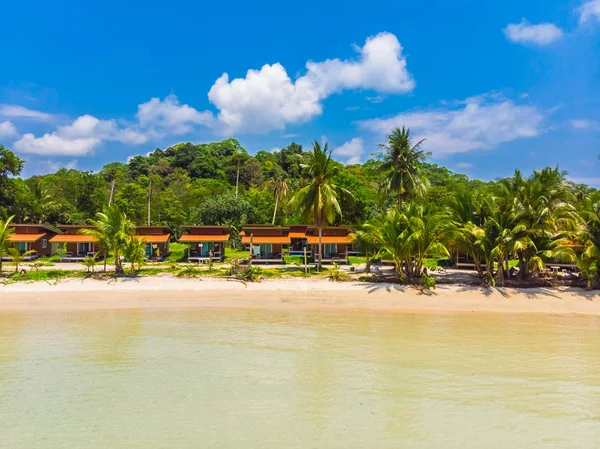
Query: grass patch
43, 275
236, 253
294, 260
178, 252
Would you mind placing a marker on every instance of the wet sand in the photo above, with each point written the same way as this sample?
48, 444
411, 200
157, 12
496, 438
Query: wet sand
292, 294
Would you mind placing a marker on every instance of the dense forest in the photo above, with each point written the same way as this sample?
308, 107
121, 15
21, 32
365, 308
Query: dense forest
196, 184
401, 206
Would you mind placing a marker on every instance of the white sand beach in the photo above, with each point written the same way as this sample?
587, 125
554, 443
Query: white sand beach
293, 294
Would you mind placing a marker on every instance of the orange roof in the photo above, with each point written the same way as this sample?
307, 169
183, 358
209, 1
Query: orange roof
25, 237
195, 238
73, 238
154, 238
314, 239
297, 235
258, 239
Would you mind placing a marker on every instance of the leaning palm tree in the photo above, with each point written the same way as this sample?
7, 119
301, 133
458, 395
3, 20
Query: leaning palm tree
5, 233
319, 199
403, 165
111, 228
17, 258
280, 190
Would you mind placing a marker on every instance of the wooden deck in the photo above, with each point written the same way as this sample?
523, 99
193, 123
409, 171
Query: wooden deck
204, 259
25, 259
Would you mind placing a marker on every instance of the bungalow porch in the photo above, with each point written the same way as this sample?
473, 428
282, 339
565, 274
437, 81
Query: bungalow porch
205, 243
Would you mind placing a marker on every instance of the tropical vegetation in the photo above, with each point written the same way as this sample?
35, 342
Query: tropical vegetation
404, 209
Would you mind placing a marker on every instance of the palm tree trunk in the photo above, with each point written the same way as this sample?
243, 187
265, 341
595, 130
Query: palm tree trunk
275, 211
237, 181
320, 260
105, 257
112, 192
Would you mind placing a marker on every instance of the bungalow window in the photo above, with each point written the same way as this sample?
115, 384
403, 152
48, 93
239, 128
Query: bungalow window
83, 248
44, 243
21, 246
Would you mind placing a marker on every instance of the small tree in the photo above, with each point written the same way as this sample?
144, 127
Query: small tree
89, 262
17, 258
135, 252
5, 242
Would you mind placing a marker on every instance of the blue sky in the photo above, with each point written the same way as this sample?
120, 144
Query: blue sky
491, 86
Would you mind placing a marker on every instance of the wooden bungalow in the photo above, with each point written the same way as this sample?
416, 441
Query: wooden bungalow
337, 243
205, 242
157, 241
73, 246
266, 242
32, 237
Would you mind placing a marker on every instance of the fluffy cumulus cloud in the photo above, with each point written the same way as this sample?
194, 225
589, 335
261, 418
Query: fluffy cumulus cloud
7, 129
19, 112
54, 144
79, 138
351, 151
527, 33
480, 122
169, 116
590, 10
268, 98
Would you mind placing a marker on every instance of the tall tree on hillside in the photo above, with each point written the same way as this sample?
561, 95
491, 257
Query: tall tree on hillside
112, 229
319, 199
5, 242
402, 165
280, 190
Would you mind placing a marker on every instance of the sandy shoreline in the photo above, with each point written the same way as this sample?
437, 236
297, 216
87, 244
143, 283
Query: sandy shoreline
293, 294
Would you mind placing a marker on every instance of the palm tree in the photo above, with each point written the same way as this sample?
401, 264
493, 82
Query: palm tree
403, 165
111, 228
408, 235
134, 251
17, 258
5, 242
280, 190
586, 238
89, 262
319, 199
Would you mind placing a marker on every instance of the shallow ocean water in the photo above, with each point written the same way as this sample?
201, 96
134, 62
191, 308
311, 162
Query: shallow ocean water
241, 379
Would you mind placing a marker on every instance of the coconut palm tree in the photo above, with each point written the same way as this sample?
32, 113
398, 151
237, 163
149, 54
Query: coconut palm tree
403, 165
280, 190
111, 228
17, 258
5, 242
408, 235
134, 251
318, 201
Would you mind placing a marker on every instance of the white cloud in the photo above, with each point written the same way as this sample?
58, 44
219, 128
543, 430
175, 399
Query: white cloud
268, 99
376, 99
16, 112
54, 144
289, 136
526, 33
7, 129
585, 124
79, 138
464, 165
478, 123
351, 150
168, 116
590, 10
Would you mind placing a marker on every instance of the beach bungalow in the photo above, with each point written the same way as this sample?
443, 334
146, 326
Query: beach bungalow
73, 246
157, 241
205, 242
337, 243
267, 242
31, 237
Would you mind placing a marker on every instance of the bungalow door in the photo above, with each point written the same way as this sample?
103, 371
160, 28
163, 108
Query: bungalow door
329, 249
84, 248
265, 249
